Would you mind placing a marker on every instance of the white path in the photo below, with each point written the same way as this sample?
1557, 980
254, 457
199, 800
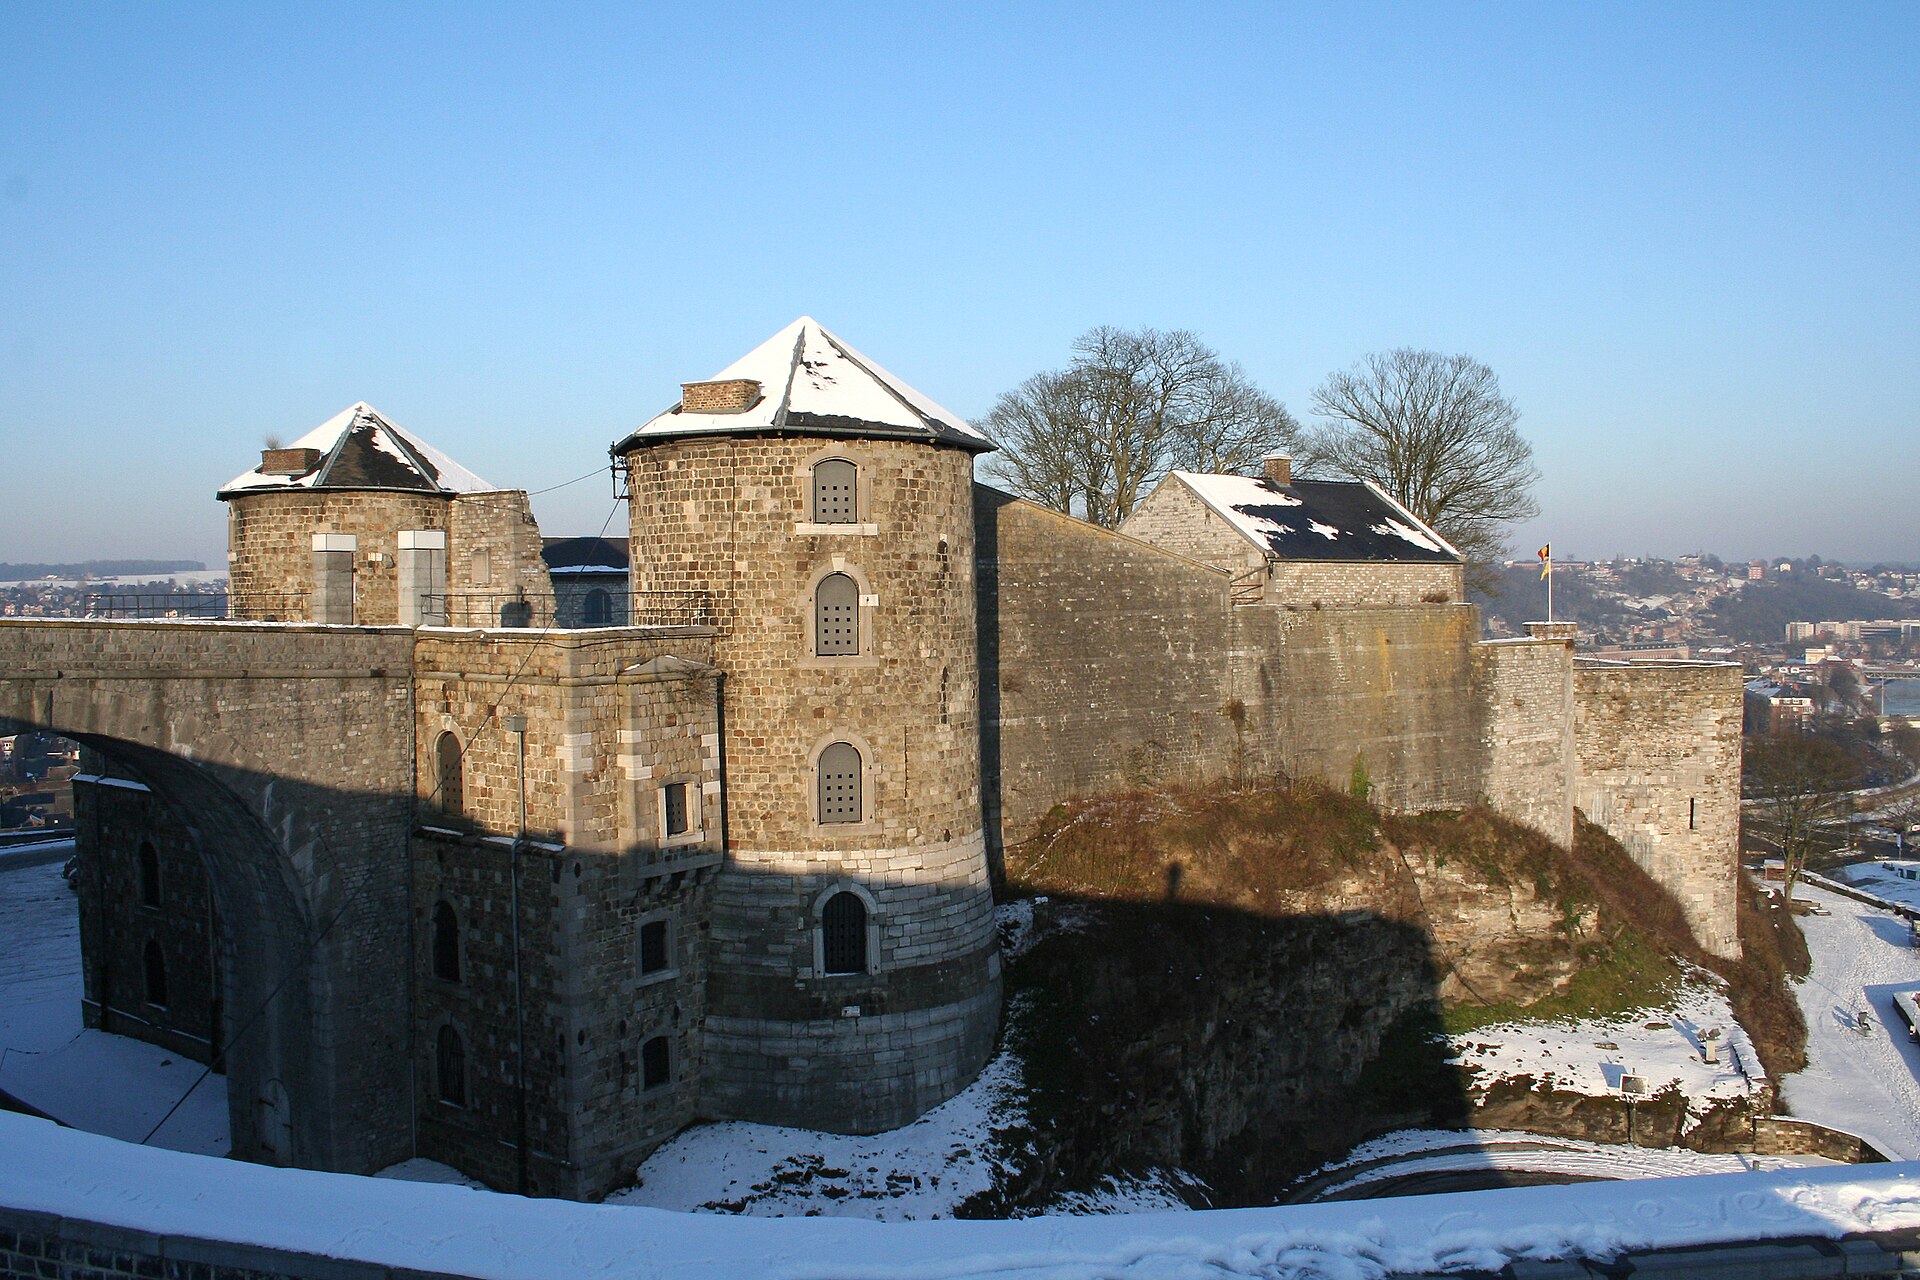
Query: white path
100, 1083
1865, 1084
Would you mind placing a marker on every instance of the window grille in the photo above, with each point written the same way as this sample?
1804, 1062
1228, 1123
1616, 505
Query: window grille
843, 934
450, 1065
674, 801
653, 947
156, 975
836, 614
840, 783
446, 943
654, 1064
446, 755
835, 497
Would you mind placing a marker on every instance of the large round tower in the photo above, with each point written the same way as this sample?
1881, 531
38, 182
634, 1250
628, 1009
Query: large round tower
827, 508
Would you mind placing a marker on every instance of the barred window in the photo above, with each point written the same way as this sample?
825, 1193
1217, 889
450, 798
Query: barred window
836, 616
835, 492
451, 774
840, 783
673, 803
843, 934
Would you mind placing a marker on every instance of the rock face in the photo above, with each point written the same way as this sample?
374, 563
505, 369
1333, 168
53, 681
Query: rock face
1252, 981
1244, 1050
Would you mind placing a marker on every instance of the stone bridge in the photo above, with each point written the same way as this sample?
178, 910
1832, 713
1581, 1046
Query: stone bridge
288, 753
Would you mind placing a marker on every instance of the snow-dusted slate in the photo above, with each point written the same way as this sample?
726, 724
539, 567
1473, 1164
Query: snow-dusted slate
1319, 519
452, 1229
401, 459
809, 379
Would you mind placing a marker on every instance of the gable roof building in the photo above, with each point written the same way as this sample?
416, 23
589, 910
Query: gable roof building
1271, 529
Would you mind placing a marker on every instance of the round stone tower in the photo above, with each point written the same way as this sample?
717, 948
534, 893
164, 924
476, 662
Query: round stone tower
359, 521
827, 508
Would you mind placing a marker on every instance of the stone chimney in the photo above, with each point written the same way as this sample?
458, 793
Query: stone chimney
732, 395
1278, 468
288, 462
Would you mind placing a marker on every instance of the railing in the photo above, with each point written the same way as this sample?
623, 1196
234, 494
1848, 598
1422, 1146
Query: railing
571, 610
246, 607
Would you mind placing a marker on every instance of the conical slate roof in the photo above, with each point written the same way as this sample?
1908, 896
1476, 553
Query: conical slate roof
812, 383
360, 449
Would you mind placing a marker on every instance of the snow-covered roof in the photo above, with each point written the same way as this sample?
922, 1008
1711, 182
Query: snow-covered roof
361, 449
812, 383
1320, 519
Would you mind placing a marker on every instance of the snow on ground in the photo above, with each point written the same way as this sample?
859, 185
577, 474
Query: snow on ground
446, 1229
1416, 1151
419, 1169
103, 1083
1882, 880
923, 1170
1868, 1084
1658, 1045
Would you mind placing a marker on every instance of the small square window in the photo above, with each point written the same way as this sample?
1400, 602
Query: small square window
674, 796
654, 954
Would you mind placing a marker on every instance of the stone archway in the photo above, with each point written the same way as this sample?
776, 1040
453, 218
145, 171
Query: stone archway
288, 755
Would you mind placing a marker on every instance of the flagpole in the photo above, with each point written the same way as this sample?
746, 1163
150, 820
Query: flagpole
1549, 582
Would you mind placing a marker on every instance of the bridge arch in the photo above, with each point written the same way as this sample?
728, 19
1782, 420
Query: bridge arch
287, 754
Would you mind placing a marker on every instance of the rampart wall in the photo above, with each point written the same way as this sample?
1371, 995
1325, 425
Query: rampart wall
1658, 758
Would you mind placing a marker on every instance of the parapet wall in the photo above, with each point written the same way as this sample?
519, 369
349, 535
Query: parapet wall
1108, 662
1658, 760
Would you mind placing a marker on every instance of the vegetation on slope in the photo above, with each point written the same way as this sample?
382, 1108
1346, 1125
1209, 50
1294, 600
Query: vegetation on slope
1271, 962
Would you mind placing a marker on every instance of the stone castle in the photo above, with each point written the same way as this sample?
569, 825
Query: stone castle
443, 847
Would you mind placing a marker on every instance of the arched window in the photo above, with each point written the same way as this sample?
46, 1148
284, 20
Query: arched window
450, 1067
840, 783
156, 975
446, 943
599, 608
450, 774
149, 874
835, 491
836, 616
843, 934
656, 1068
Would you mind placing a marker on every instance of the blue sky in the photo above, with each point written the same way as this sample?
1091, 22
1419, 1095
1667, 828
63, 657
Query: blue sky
1686, 237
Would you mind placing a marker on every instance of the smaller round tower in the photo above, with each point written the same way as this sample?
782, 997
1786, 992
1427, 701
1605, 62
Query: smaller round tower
827, 509
359, 521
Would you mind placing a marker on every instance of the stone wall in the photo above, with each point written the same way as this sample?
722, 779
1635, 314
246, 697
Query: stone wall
114, 817
493, 545
1525, 695
270, 547
1658, 750
612, 716
1105, 661
1174, 518
785, 1041
1335, 584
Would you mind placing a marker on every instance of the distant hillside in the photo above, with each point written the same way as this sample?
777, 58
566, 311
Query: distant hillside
96, 569
1760, 613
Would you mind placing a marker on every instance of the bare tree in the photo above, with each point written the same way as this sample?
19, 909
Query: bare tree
1092, 438
1436, 433
1797, 788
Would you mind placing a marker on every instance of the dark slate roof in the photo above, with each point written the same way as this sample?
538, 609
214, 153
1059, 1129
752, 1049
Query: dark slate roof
1320, 519
361, 449
585, 554
812, 383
